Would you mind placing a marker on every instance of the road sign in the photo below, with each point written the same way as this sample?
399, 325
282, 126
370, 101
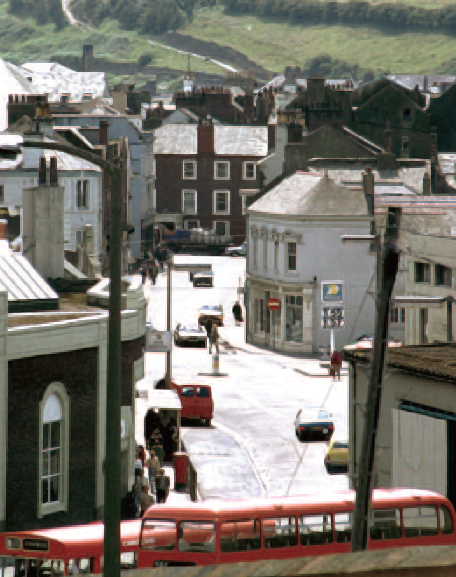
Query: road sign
332, 291
332, 317
158, 341
273, 304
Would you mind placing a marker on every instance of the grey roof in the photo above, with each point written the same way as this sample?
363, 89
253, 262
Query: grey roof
21, 280
311, 194
229, 140
411, 80
411, 177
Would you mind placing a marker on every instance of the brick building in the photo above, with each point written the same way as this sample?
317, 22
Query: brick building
204, 173
53, 390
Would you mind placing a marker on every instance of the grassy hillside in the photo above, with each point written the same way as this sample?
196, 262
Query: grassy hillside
272, 45
276, 45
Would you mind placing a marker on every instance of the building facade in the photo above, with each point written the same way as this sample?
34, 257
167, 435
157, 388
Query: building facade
203, 174
294, 243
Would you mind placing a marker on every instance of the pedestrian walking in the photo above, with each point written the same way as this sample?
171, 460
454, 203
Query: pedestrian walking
156, 444
163, 483
336, 364
145, 499
208, 328
237, 313
153, 271
213, 339
153, 466
143, 273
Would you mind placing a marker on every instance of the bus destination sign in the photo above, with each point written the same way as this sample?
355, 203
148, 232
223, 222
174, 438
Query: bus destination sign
35, 545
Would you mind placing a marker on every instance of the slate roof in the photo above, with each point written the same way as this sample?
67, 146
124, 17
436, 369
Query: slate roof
311, 194
434, 360
229, 140
411, 80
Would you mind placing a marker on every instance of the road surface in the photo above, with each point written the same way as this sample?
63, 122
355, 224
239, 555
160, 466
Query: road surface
257, 403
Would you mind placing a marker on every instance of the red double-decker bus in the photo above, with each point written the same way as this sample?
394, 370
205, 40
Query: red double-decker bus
218, 532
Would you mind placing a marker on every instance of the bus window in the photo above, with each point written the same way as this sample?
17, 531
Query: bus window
158, 535
343, 523
280, 532
446, 522
241, 535
316, 529
385, 524
196, 536
420, 521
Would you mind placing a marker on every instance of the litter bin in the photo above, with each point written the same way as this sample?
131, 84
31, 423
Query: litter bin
181, 471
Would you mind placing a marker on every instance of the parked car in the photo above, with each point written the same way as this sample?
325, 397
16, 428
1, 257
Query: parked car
237, 250
314, 424
191, 335
336, 458
196, 400
212, 312
203, 278
366, 342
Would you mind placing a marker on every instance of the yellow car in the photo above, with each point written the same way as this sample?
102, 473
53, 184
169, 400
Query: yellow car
336, 458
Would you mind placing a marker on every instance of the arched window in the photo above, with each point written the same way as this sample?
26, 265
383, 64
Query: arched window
54, 450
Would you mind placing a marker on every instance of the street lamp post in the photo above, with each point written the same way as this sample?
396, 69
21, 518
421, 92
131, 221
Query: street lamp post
112, 472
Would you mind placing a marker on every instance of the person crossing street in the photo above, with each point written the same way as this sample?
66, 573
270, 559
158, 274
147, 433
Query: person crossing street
213, 339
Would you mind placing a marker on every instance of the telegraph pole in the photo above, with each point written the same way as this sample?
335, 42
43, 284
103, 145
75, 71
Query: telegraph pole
169, 292
387, 266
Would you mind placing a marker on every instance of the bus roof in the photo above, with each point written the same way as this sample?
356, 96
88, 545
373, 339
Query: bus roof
339, 500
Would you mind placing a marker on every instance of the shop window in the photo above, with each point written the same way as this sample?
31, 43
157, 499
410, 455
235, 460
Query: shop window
196, 536
280, 532
385, 524
343, 523
316, 530
294, 318
443, 275
242, 535
420, 521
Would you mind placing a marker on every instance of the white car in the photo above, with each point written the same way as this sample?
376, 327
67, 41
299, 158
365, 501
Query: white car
190, 335
237, 250
314, 423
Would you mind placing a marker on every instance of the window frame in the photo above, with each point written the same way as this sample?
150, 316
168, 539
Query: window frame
287, 256
198, 225
216, 163
442, 269
81, 194
214, 202
227, 226
425, 264
195, 196
59, 390
244, 170
195, 169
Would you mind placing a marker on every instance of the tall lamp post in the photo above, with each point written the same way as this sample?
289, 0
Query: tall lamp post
112, 519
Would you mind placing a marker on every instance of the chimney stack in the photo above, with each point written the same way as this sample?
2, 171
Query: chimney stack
87, 57
205, 137
103, 128
53, 176
42, 172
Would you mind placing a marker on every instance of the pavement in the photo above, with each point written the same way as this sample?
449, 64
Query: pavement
252, 446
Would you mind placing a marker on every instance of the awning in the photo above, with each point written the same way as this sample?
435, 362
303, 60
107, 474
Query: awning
161, 399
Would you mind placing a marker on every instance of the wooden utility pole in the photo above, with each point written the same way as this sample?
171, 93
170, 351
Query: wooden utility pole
387, 269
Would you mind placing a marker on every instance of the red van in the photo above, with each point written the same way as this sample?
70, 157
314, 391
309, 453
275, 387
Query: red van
196, 399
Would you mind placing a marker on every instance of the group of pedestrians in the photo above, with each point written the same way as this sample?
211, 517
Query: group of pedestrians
154, 264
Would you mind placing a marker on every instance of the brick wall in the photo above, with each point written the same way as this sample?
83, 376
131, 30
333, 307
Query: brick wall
28, 379
131, 352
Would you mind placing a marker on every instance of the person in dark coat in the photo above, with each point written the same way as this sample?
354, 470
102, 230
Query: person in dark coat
143, 273
153, 271
162, 483
237, 312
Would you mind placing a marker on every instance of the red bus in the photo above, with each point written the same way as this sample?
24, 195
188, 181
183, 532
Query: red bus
218, 532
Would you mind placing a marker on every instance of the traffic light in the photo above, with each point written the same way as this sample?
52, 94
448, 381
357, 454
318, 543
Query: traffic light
332, 317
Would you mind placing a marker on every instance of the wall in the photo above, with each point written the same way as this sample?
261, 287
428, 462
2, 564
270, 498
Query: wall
27, 380
169, 185
397, 386
273, 165
322, 254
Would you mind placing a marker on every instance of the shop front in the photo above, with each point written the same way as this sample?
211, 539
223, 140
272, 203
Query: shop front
288, 329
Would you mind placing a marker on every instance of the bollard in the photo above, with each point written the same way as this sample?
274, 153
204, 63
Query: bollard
215, 368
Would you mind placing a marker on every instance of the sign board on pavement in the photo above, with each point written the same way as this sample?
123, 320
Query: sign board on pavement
332, 317
332, 291
273, 304
158, 341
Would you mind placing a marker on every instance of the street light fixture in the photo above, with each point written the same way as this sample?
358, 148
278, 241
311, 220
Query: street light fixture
111, 515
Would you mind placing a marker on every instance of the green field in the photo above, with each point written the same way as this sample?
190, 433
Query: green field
275, 46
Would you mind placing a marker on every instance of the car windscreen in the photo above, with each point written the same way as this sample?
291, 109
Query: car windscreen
190, 330
340, 445
314, 415
187, 391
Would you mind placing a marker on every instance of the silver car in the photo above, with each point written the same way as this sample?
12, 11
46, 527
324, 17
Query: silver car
237, 250
191, 335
